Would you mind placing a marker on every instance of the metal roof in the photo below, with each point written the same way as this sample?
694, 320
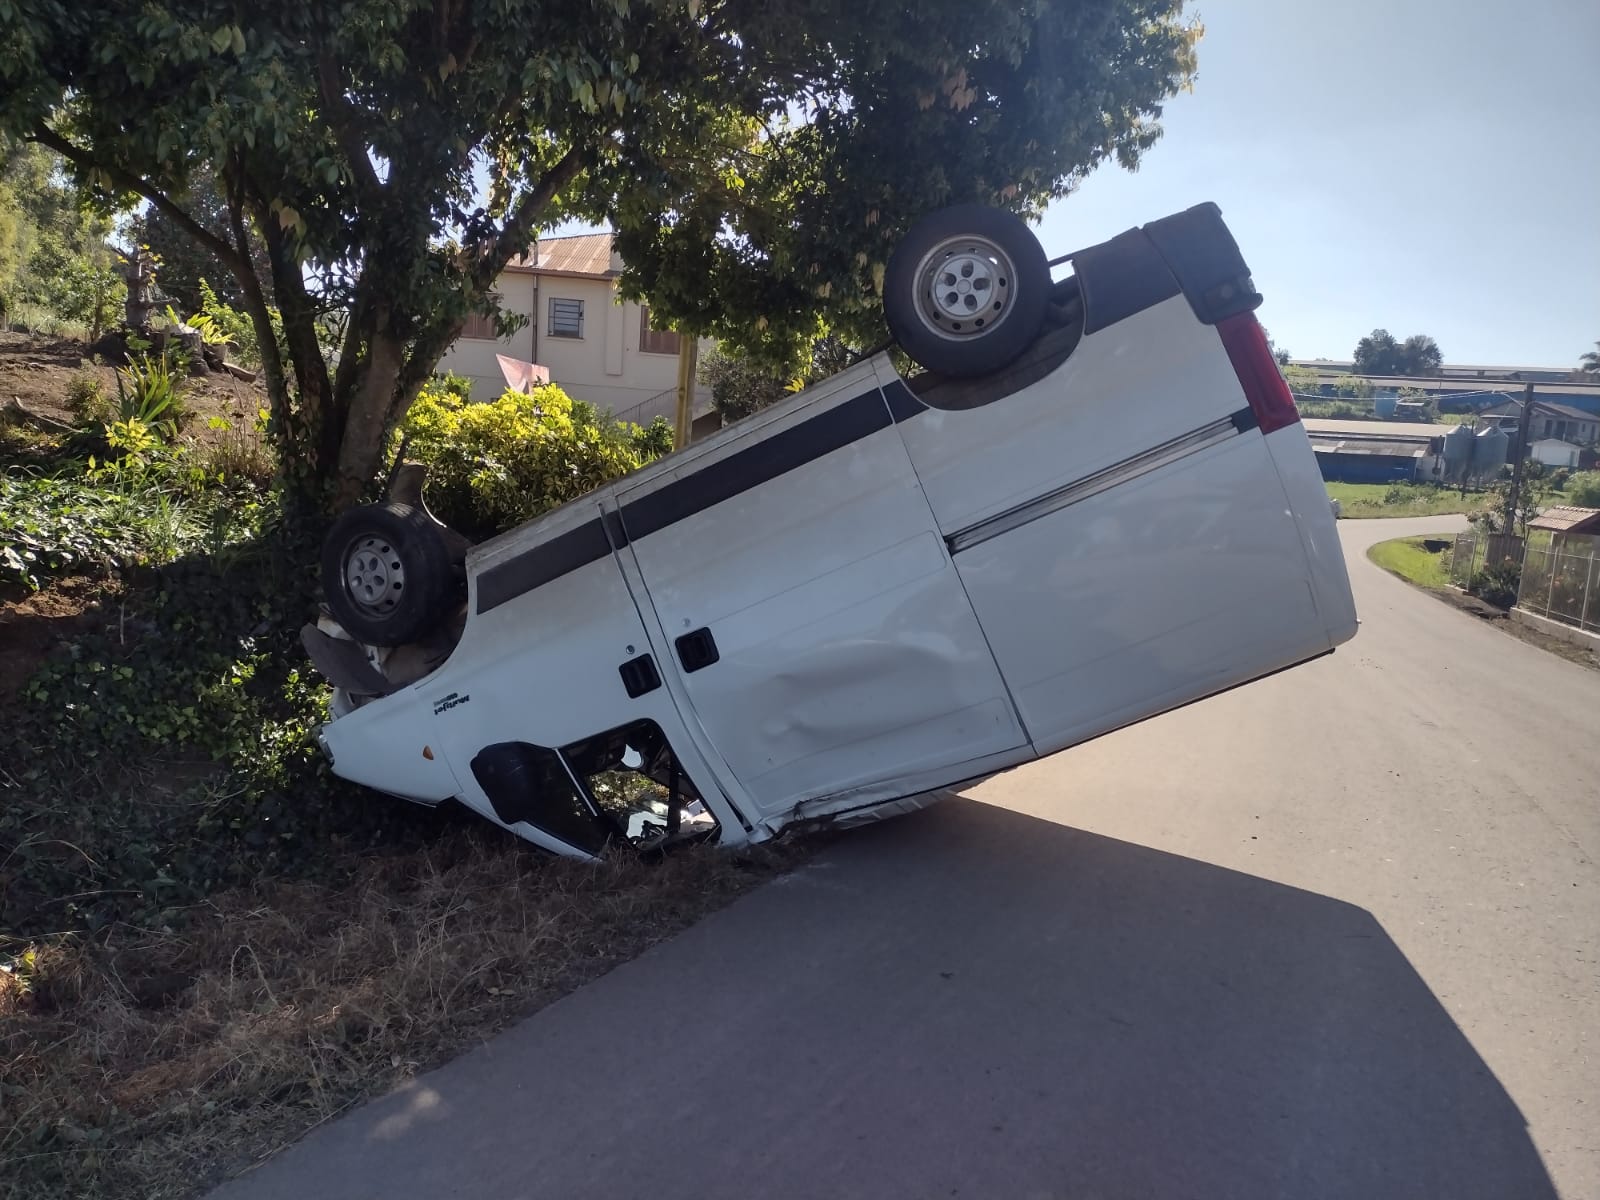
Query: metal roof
581, 254
1568, 518
1416, 431
1542, 408
1373, 449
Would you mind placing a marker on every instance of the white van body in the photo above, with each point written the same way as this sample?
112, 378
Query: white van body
874, 590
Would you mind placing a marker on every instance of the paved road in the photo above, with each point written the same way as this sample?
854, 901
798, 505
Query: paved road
1331, 935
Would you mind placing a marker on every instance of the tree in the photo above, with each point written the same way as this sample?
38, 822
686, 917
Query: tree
1379, 353
1420, 355
183, 261
757, 160
1589, 364
54, 252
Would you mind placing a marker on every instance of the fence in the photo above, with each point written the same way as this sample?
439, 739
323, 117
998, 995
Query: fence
1561, 580
1473, 550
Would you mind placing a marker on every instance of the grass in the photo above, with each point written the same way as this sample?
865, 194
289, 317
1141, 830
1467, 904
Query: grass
156, 1064
1400, 500
1409, 559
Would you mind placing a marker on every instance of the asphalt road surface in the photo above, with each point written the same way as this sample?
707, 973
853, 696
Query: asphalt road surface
1330, 935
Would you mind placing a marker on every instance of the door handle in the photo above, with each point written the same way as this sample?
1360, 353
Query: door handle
696, 650
639, 676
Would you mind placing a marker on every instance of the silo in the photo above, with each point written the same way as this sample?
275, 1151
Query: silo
1489, 452
1457, 453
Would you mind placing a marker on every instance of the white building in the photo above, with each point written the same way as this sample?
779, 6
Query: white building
597, 347
1553, 452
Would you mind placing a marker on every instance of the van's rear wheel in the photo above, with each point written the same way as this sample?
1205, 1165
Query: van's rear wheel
386, 573
966, 290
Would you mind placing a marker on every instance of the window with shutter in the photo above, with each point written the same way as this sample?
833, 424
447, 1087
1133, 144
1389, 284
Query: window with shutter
652, 340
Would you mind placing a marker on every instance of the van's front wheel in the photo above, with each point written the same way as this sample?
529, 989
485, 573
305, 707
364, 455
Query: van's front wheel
966, 290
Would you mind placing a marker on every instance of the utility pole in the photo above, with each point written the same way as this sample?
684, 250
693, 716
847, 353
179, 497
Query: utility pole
688, 359
1520, 452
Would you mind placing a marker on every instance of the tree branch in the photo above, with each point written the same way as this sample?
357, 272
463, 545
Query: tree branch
47, 137
518, 228
339, 111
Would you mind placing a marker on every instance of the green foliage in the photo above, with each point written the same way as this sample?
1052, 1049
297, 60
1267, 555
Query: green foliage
1379, 353
740, 386
87, 400
497, 464
220, 322
1302, 381
1354, 387
151, 394
1559, 477
53, 251
77, 524
1497, 585
758, 161
654, 440
1589, 364
1583, 489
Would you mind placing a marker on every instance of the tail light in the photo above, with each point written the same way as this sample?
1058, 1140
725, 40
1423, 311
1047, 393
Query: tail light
1263, 383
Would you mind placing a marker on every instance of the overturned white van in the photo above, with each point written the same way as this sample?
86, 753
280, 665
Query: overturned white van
1096, 504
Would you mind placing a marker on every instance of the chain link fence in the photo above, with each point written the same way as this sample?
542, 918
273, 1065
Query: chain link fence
1561, 579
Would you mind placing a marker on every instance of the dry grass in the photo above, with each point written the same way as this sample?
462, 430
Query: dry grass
156, 1065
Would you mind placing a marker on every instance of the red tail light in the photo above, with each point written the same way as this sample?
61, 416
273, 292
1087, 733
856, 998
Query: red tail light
1264, 386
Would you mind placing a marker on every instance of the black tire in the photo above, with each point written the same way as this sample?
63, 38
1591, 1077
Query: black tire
399, 587
971, 334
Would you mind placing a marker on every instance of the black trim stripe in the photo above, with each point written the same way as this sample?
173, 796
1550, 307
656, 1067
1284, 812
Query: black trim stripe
903, 402
767, 459
560, 555
615, 532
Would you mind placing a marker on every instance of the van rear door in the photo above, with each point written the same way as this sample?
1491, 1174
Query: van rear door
1120, 524
809, 607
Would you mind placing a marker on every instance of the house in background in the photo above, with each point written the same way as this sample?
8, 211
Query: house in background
1558, 421
596, 346
1553, 452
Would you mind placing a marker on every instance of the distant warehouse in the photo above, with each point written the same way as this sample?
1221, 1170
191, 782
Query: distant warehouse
1377, 451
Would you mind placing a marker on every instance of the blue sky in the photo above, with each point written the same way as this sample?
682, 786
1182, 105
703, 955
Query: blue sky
1423, 166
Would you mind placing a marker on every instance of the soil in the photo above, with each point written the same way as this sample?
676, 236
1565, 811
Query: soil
32, 625
39, 370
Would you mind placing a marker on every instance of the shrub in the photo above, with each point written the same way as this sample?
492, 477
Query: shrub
496, 464
150, 392
88, 401
1559, 477
1398, 493
219, 322
239, 455
1583, 489
1497, 585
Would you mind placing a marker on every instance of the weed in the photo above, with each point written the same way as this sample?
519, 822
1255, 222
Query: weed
87, 400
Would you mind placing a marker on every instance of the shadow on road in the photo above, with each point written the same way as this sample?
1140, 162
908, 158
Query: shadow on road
968, 1002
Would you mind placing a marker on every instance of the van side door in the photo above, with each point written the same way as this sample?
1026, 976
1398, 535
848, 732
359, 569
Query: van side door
810, 608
